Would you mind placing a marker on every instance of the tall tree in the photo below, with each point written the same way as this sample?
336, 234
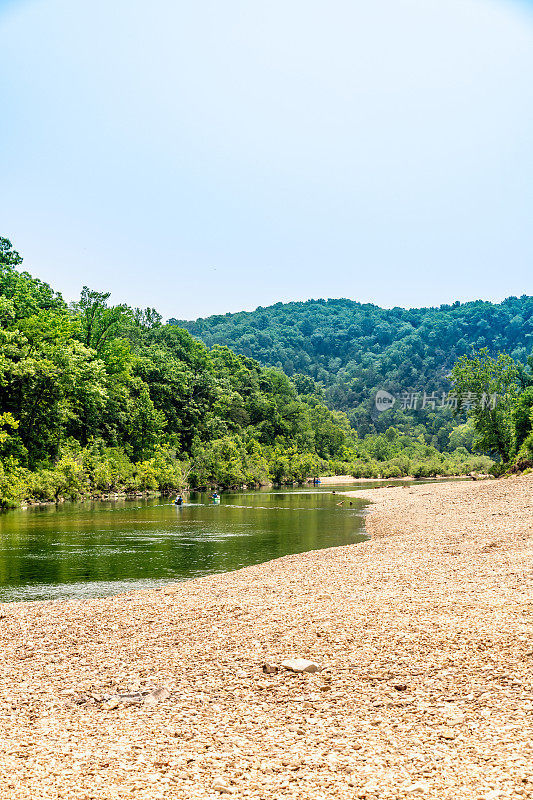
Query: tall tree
8, 256
489, 388
99, 321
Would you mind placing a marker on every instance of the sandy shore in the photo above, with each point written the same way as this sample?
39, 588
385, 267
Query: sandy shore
423, 635
331, 480
335, 480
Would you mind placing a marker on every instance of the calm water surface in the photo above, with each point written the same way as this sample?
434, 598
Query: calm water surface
101, 548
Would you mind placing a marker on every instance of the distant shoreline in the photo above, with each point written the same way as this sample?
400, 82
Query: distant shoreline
331, 480
325, 480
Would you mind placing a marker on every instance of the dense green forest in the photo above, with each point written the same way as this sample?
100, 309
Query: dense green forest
96, 398
352, 350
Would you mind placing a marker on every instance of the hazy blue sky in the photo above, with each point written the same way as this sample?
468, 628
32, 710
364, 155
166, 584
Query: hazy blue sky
216, 155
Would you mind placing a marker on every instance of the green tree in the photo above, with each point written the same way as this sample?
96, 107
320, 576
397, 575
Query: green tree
8, 256
479, 378
522, 419
146, 423
99, 322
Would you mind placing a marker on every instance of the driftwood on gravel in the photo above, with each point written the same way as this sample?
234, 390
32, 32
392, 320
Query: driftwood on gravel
110, 701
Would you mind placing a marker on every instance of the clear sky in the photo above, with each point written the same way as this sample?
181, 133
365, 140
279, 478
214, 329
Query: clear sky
216, 155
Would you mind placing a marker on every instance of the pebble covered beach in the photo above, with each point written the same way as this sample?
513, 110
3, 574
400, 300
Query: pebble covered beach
422, 636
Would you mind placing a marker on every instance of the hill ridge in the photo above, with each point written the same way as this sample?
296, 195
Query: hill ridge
353, 349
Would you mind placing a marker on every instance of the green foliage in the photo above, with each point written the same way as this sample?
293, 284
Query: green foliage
505, 427
99, 323
463, 436
288, 465
229, 461
522, 424
526, 448
481, 377
8, 256
27, 295
12, 483
394, 455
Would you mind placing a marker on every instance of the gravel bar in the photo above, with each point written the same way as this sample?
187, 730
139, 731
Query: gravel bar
422, 636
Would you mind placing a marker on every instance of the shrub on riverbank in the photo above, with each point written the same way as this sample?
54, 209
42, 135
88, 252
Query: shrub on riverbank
413, 457
443, 465
96, 470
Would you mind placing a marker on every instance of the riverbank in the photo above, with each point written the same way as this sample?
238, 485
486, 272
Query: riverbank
338, 480
423, 636
325, 480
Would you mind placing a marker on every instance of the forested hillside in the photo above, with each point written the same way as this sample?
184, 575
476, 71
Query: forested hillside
353, 350
98, 398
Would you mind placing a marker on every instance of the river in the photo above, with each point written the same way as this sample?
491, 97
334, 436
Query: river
93, 549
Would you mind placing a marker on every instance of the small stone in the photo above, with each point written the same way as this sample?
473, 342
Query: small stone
221, 786
241, 674
156, 695
446, 733
400, 687
417, 788
112, 703
456, 719
300, 665
269, 669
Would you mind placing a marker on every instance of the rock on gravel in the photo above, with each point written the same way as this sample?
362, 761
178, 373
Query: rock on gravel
157, 695
300, 665
221, 786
